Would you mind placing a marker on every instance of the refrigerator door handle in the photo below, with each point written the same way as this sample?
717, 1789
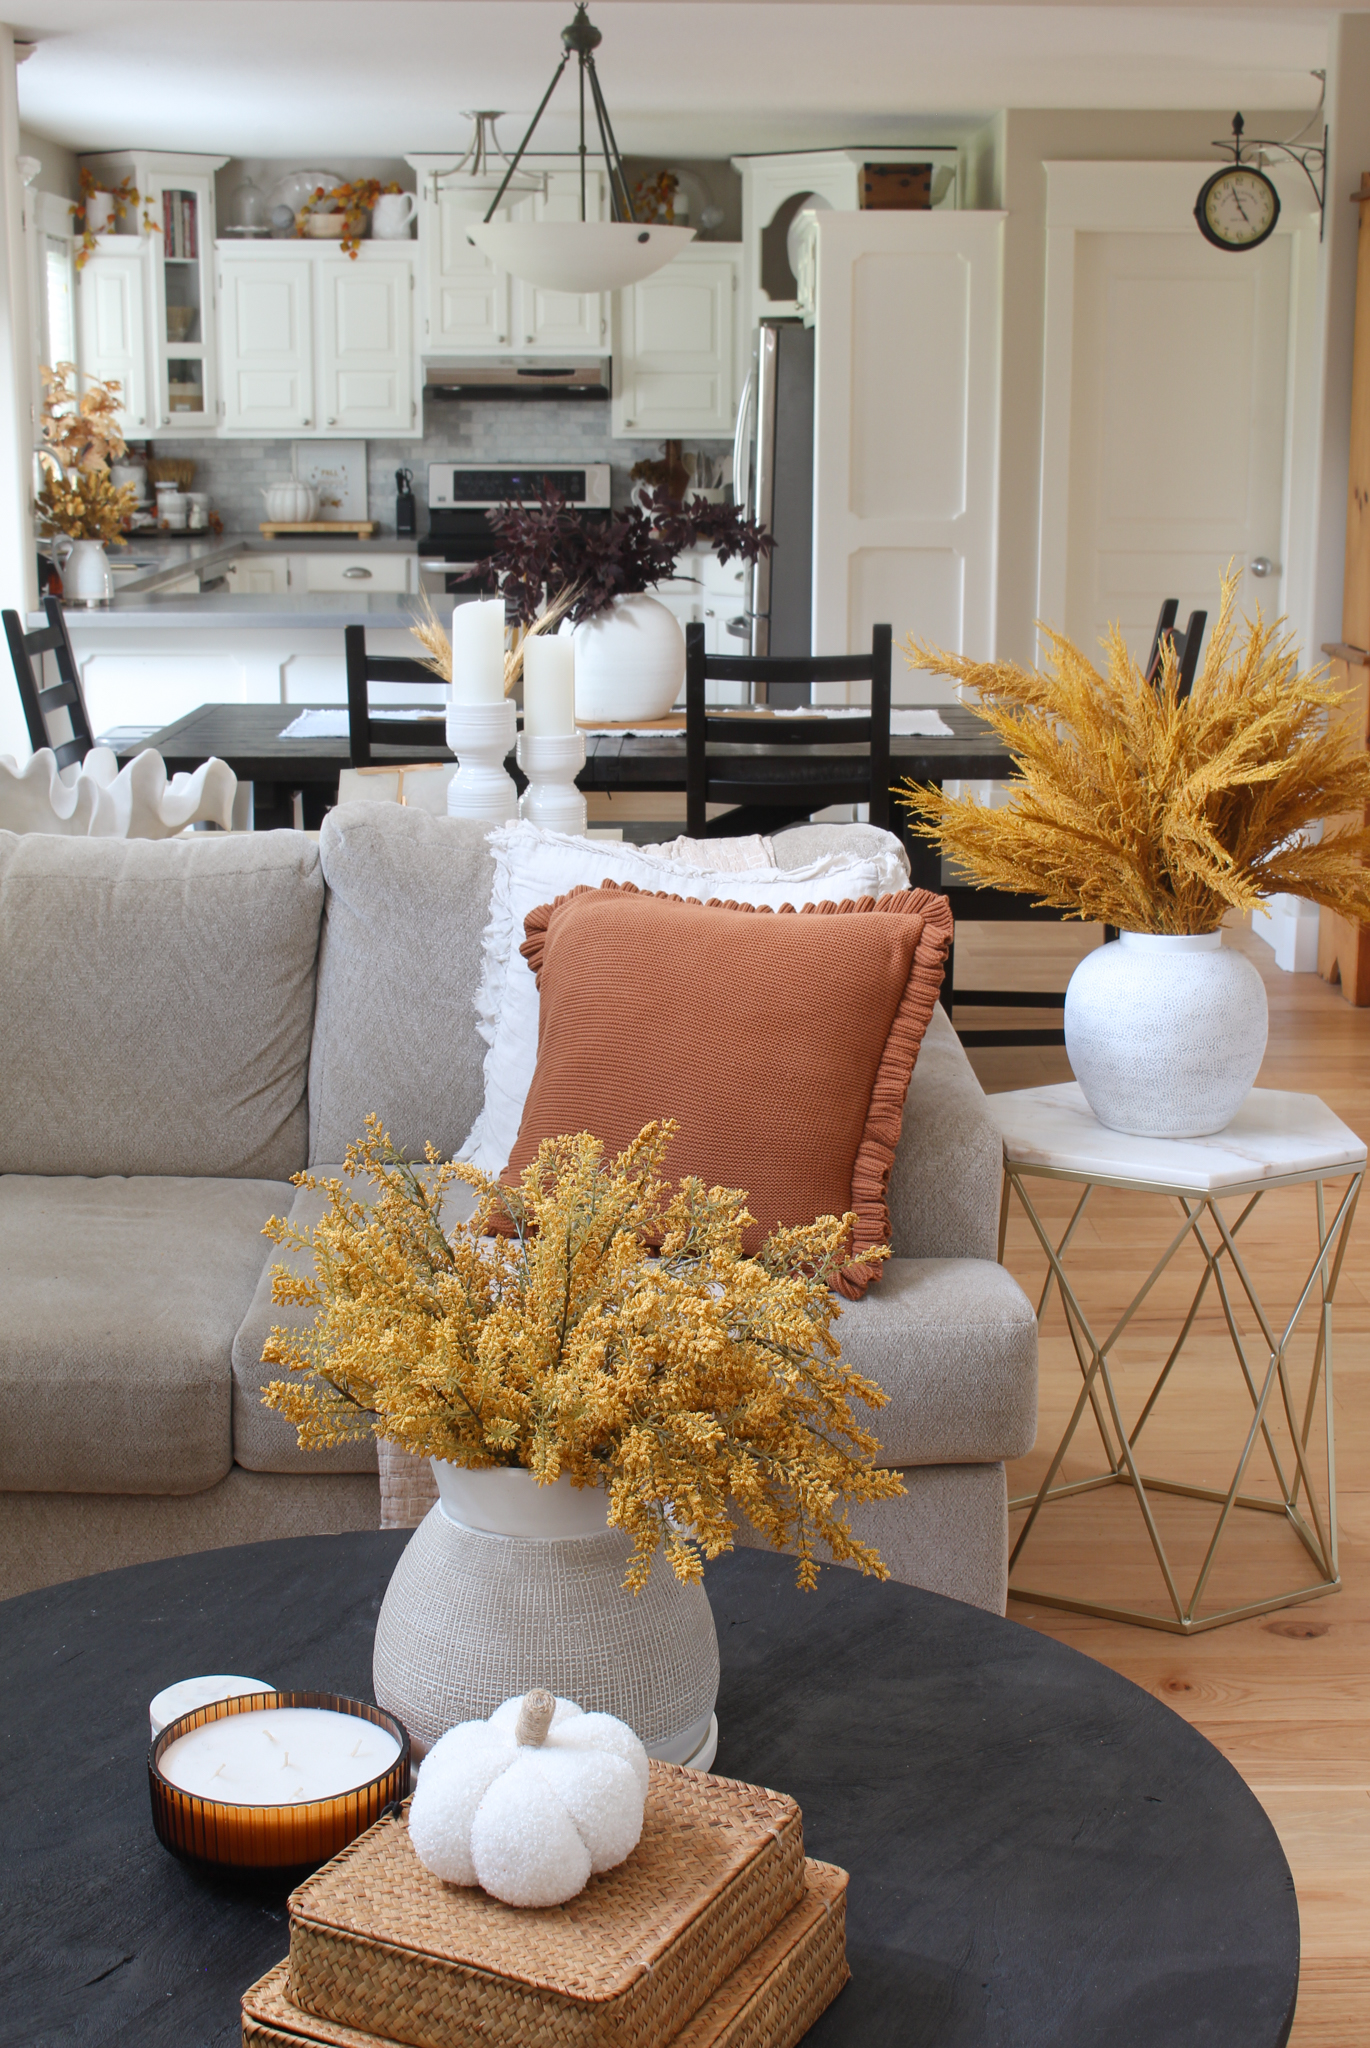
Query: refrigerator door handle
742, 483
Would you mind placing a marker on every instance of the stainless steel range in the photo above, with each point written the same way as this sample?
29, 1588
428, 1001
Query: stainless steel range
460, 494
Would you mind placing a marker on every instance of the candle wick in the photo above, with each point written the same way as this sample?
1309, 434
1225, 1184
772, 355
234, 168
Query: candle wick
356, 1747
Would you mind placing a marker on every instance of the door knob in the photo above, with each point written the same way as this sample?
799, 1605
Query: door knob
1262, 566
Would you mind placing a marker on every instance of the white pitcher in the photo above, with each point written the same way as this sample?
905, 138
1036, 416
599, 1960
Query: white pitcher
391, 215
86, 578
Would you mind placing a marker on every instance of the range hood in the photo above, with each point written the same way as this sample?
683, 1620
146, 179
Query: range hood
518, 377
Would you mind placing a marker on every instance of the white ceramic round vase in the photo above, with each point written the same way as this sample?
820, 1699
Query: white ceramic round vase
630, 662
1165, 1033
86, 575
507, 1585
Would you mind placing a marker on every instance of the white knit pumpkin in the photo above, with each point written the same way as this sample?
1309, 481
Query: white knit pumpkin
532, 1802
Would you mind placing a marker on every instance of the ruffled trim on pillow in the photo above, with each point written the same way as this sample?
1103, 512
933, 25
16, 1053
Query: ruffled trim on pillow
885, 1111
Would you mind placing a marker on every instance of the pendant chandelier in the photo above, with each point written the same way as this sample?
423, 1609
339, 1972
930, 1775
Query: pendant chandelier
584, 255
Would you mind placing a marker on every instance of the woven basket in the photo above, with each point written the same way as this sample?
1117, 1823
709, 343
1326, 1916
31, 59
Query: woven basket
769, 2001
470, 1619
380, 1944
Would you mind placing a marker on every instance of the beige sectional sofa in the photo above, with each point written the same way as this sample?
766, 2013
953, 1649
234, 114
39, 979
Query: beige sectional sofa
184, 1024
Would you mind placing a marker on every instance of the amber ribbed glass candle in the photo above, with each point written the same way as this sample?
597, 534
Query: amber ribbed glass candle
233, 1834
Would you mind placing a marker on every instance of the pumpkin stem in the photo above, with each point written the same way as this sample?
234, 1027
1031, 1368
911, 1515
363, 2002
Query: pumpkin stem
535, 1718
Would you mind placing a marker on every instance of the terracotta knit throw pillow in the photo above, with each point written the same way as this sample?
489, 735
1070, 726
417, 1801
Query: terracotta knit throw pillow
782, 1042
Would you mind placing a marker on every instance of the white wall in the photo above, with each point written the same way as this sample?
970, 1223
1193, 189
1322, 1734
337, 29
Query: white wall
18, 577
1028, 140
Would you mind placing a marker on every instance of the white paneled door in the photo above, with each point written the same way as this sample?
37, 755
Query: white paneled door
366, 377
906, 445
1173, 400
111, 295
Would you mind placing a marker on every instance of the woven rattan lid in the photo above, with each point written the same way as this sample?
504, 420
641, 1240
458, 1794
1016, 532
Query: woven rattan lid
699, 1837
772, 1997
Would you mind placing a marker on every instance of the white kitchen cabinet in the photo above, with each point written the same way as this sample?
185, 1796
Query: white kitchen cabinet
472, 308
906, 459
258, 575
172, 227
675, 343
366, 351
266, 308
316, 343
111, 301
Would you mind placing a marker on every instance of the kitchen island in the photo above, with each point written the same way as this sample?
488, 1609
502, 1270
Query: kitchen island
167, 643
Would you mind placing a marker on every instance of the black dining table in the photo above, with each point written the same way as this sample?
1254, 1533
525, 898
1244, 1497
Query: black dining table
251, 738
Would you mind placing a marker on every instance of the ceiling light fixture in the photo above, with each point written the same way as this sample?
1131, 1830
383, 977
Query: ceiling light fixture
584, 255
487, 165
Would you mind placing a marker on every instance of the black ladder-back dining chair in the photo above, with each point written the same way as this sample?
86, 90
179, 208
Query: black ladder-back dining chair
766, 804
996, 906
40, 701
367, 729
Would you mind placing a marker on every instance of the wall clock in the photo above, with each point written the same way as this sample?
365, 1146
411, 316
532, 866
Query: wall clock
1237, 207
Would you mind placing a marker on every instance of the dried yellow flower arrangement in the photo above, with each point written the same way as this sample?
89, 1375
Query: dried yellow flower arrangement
79, 438
617, 1334
1154, 813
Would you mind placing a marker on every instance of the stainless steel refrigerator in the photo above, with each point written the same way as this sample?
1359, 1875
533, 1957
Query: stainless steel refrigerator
773, 478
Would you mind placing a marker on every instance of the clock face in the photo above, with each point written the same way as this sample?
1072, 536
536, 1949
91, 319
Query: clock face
1237, 208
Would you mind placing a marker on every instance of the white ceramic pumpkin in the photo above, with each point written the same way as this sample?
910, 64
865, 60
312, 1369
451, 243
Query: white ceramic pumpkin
531, 1803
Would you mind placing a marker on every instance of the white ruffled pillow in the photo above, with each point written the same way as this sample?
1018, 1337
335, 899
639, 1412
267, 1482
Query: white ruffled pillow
533, 866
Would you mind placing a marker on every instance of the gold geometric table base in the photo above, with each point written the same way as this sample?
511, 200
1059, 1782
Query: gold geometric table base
1314, 1523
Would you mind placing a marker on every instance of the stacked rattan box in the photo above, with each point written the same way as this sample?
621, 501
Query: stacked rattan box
716, 1933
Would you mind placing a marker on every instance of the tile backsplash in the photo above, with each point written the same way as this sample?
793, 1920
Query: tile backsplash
471, 430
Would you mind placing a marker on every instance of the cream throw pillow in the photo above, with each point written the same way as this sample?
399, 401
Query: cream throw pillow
534, 867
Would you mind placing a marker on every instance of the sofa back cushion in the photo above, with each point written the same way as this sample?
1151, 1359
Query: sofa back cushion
156, 998
395, 1028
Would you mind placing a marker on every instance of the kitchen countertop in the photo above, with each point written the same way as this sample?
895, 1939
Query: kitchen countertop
142, 600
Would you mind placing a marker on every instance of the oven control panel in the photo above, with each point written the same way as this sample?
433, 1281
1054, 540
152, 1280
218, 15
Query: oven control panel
461, 486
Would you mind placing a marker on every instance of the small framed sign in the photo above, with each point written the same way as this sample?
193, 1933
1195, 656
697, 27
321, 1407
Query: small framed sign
337, 469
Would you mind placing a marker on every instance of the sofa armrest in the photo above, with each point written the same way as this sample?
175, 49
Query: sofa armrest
945, 1181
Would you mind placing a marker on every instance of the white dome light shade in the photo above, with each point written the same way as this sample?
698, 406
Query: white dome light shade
579, 255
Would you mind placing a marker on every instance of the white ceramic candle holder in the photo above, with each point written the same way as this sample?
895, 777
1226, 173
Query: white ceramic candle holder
481, 735
551, 761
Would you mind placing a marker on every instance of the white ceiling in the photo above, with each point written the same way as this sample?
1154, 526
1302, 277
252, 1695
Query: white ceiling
297, 78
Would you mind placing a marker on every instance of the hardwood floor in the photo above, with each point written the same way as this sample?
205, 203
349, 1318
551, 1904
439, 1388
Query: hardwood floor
1284, 1696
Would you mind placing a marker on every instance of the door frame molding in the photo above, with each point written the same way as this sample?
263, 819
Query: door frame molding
1158, 198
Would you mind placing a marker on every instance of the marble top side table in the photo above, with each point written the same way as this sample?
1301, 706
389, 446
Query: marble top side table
1276, 1140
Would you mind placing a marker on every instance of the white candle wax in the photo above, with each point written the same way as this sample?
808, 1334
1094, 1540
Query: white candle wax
279, 1756
549, 685
183, 1698
478, 652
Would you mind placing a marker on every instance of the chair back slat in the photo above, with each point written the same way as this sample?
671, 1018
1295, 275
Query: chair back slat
724, 777
368, 729
40, 699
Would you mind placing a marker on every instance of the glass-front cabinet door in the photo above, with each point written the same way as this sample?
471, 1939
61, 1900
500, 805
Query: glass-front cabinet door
175, 220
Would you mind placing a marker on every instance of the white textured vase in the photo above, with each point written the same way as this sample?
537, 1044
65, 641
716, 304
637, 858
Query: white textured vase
630, 662
1165, 1034
506, 1585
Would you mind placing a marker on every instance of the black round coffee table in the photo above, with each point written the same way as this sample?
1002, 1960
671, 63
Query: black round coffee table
1040, 1853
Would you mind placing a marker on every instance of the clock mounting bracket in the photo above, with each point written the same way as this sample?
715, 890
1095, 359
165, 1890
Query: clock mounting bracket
1311, 157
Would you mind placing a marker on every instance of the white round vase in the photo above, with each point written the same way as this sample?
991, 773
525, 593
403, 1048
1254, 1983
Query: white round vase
630, 662
1165, 1034
506, 1585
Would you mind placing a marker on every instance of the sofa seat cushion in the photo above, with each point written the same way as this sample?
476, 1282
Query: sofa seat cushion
157, 998
953, 1342
121, 1299
264, 1441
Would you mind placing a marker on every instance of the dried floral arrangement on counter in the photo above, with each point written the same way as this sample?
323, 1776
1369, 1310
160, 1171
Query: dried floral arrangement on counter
553, 551
80, 438
1142, 809
594, 1320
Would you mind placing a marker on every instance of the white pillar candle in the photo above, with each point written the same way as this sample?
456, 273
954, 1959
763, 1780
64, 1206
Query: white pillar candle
549, 685
478, 652
189, 1693
279, 1756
